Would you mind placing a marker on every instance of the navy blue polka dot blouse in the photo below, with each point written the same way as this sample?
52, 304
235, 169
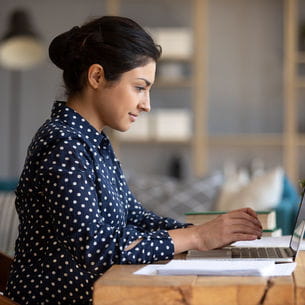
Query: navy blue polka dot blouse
77, 215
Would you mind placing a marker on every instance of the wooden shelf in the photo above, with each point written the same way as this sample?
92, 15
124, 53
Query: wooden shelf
300, 58
267, 140
155, 141
301, 140
224, 140
246, 140
300, 83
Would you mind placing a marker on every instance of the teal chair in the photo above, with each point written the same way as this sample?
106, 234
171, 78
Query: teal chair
8, 185
287, 209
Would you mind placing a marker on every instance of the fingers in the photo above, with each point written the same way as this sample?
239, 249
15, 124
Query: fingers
240, 230
252, 213
243, 237
241, 222
239, 237
223, 231
247, 210
246, 213
245, 228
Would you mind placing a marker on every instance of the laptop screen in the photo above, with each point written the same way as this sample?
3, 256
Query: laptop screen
298, 231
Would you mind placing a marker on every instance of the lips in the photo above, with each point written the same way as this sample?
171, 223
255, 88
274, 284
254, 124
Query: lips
132, 116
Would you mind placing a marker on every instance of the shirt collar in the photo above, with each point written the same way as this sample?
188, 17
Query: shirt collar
70, 117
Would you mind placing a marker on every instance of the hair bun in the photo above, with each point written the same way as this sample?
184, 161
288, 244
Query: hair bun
58, 49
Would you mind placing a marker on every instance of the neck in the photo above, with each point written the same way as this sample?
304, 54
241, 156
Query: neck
83, 106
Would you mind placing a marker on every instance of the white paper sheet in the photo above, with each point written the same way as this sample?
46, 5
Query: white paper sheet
219, 268
210, 267
147, 270
281, 241
284, 269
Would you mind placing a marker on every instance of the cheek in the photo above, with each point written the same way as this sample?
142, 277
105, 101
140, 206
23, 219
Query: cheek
119, 101
127, 98
128, 93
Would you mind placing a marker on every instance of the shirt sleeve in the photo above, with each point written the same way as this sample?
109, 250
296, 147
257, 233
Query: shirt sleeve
138, 215
79, 224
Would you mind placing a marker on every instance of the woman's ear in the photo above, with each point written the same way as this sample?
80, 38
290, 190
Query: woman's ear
96, 76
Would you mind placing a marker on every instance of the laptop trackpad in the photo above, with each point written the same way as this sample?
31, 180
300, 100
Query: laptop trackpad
217, 253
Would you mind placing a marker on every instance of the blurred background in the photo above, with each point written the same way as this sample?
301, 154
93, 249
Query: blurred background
228, 99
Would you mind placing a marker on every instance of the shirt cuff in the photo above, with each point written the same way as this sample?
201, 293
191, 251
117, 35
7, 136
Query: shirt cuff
155, 246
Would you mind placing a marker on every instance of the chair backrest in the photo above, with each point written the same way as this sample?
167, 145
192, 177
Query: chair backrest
6, 301
8, 222
5, 265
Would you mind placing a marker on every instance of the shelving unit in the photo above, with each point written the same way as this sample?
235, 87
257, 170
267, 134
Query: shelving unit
288, 142
200, 95
246, 140
196, 83
292, 57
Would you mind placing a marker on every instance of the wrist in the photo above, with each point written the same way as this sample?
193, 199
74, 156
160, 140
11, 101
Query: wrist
198, 238
184, 239
194, 237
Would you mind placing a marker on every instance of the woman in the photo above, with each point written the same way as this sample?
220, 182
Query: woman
77, 214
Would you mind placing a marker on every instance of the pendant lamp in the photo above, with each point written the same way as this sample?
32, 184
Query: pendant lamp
21, 48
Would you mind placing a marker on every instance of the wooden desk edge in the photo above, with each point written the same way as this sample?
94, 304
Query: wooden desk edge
120, 286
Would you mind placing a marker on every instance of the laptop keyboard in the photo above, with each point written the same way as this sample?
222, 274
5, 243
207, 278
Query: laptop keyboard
260, 252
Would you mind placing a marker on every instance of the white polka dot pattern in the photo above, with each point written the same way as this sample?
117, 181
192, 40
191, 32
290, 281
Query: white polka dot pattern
77, 215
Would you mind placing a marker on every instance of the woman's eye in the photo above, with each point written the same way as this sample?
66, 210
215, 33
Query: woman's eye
140, 88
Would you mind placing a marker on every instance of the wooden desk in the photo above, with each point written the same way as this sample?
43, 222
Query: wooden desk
118, 286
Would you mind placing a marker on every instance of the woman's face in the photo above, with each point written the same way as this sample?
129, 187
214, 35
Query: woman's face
118, 105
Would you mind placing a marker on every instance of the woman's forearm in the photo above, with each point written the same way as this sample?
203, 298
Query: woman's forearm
183, 239
241, 224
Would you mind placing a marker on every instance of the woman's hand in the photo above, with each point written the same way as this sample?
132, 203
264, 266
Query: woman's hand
241, 224
237, 225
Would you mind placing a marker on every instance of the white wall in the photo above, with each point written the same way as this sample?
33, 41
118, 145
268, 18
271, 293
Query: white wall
246, 66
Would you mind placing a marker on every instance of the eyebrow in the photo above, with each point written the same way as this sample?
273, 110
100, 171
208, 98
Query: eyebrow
148, 83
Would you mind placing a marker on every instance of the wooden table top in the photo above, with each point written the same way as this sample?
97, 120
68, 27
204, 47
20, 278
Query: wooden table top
119, 286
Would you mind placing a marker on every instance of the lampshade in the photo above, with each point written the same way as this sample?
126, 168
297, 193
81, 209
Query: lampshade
21, 48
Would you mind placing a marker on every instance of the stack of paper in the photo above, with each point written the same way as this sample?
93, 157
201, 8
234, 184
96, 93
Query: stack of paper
219, 268
208, 267
173, 124
175, 41
266, 241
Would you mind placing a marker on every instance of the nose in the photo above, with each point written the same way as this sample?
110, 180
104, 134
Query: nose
145, 103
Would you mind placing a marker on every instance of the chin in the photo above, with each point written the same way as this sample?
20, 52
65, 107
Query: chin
122, 128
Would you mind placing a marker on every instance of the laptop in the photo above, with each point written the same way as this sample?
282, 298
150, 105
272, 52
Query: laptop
277, 254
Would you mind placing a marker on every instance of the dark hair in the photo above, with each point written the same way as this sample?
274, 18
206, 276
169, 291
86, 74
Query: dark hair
118, 44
